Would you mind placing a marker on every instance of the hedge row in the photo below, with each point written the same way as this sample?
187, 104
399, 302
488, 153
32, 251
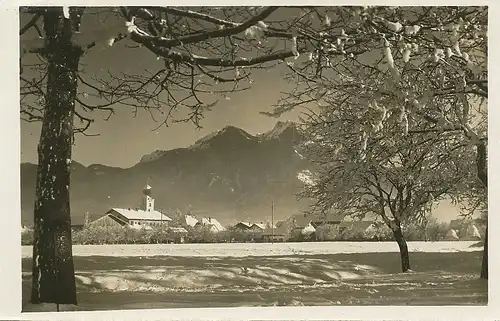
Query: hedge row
120, 235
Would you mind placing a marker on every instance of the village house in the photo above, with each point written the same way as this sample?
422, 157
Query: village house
109, 220
243, 226
306, 224
326, 219
279, 234
178, 234
214, 225
258, 227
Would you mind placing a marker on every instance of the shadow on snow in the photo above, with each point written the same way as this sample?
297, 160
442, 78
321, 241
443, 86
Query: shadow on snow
360, 279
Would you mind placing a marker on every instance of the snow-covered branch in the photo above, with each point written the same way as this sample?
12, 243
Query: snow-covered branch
203, 36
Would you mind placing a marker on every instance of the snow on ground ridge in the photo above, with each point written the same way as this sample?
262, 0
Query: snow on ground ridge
260, 249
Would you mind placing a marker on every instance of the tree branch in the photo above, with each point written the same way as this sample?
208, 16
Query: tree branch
30, 24
184, 40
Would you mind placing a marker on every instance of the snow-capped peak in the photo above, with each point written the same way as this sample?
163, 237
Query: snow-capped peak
228, 132
281, 128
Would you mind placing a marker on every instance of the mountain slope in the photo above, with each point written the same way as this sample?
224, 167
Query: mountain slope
230, 175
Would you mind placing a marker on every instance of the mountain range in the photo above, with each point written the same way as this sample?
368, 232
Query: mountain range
230, 175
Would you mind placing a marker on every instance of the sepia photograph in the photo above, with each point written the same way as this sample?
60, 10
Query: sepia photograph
249, 156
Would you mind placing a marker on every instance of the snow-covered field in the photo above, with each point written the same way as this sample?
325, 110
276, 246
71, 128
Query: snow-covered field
235, 275
259, 249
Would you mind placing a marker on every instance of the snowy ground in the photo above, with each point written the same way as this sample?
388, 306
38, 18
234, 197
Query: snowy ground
227, 275
259, 249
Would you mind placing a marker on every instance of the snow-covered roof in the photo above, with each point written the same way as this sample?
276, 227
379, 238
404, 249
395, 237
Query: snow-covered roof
300, 220
191, 220
212, 221
451, 235
259, 225
133, 214
308, 229
247, 224
262, 226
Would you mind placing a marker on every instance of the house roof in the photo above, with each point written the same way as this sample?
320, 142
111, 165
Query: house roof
190, 220
277, 231
451, 235
108, 220
247, 224
302, 220
133, 214
213, 222
262, 226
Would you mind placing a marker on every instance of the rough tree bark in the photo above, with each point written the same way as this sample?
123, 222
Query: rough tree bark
53, 270
484, 265
403, 249
482, 173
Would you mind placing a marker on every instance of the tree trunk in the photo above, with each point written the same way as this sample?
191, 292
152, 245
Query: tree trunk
53, 270
482, 163
482, 173
484, 266
403, 249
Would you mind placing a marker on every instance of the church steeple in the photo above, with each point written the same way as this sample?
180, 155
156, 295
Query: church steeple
149, 202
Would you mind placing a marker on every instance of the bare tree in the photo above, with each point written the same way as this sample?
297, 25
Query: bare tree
201, 53
427, 63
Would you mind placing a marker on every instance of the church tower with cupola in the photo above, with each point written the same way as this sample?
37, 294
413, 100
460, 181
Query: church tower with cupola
149, 201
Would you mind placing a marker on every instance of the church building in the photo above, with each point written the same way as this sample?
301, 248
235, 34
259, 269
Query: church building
147, 217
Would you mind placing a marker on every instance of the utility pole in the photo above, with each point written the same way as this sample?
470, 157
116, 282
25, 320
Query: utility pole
272, 221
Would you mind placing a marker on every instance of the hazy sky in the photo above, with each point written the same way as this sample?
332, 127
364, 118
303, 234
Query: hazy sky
124, 139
